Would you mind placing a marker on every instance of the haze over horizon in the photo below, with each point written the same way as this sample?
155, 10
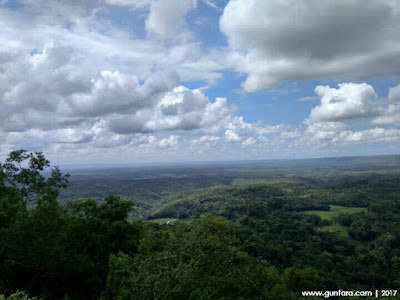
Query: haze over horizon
189, 163
142, 81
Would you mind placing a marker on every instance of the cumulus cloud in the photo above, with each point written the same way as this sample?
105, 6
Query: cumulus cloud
354, 101
94, 44
328, 134
239, 131
371, 135
46, 84
391, 113
67, 91
178, 109
208, 140
276, 41
70, 92
330, 123
349, 101
113, 92
323, 133
171, 141
135, 4
46, 97
113, 101
71, 82
167, 16
74, 72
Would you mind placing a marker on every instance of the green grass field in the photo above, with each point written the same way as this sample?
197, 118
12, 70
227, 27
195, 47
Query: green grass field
339, 229
335, 210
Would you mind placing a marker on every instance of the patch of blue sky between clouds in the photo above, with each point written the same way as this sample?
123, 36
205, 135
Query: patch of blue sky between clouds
126, 19
204, 23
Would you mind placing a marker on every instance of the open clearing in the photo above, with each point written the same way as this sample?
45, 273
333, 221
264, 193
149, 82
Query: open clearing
335, 210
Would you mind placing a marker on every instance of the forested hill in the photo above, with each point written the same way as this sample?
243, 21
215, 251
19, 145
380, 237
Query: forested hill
146, 185
345, 235
288, 195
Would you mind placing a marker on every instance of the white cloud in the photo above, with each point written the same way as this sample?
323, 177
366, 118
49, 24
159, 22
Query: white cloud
349, 101
135, 4
291, 134
86, 88
370, 135
232, 136
113, 92
394, 94
330, 123
47, 84
178, 109
354, 101
204, 143
77, 71
391, 113
206, 139
331, 134
167, 16
239, 131
171, 141
276, 41
94, 44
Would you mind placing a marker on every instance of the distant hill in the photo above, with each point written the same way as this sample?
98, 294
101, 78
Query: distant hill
146, 186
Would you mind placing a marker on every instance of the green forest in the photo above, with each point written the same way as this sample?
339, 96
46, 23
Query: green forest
259, 230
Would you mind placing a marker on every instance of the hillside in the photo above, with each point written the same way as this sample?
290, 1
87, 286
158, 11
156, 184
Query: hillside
147, 185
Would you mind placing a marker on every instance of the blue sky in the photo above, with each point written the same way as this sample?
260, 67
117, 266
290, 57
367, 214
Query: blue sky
114, 81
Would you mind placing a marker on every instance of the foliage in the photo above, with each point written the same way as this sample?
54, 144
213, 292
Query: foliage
202, 261
28, 180
20, 295
53, 250
279, 221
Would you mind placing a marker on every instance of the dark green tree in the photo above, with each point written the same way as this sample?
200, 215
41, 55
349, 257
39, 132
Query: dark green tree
202, 261
23, 173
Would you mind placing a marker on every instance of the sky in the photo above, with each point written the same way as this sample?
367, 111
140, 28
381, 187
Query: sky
136, 81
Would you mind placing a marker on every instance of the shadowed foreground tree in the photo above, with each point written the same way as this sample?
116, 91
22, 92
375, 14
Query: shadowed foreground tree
202, 261
51, 250
22, 173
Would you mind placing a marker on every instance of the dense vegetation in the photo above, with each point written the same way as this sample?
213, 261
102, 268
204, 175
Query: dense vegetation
260, 236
